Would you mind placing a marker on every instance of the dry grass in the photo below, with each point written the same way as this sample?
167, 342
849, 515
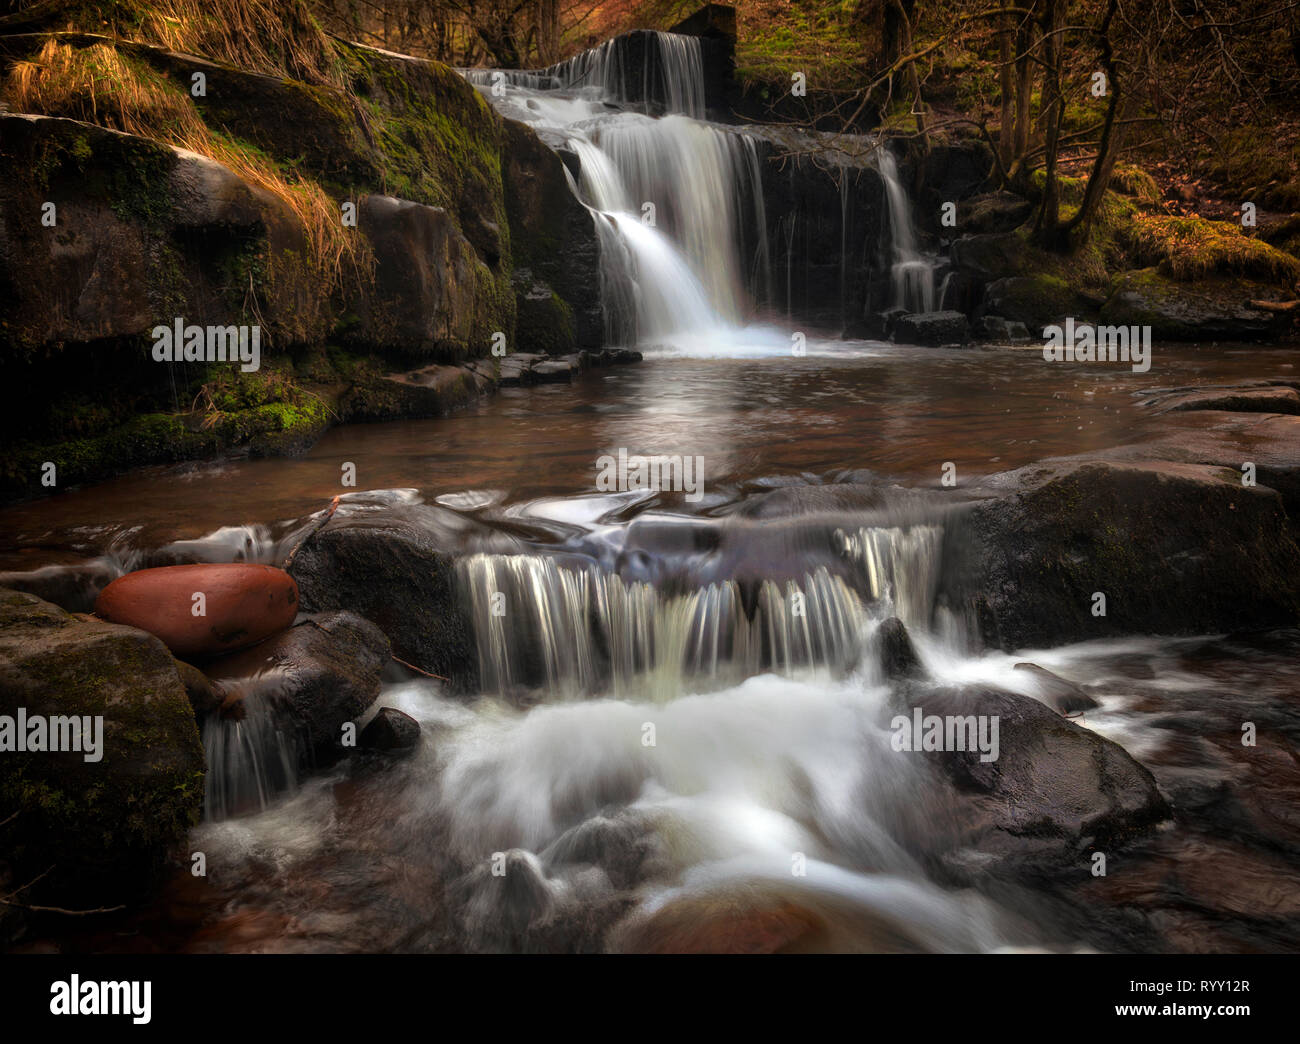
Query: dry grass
98, 85
1192, 247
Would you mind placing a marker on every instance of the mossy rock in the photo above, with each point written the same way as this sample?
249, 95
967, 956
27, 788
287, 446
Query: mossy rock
1035, 300
104, 830
544, 322
1216, 308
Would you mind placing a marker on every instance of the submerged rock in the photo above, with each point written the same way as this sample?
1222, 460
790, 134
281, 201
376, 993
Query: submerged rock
102, 828
1059, 693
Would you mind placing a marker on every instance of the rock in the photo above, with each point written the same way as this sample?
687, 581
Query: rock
1237, 400
391, 731
999, 211
898, 657
553, 237
396, 567
543, 321
320, 674
432, 391
1213, 308
931, 328
998, 330
1055, 792
70, 587
103, 829
426, 281
561, 370
1143, 533
204, 696
243, 604
1037, 301
1064, 696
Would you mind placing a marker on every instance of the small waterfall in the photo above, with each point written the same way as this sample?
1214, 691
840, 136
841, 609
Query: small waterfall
252, 759
579, 630
901, 566
911, 273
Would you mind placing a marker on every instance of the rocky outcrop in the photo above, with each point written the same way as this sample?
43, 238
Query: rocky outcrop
931, 328
1052, 537
96, 827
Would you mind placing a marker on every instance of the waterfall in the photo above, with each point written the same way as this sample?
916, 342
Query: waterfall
675, 200
251, 758
579, 630
911, 273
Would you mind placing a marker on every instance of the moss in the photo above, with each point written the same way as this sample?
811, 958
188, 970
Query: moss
1190, 248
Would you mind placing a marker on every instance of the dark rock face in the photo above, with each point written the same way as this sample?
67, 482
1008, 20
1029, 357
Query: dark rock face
544, 321
552, 235
1036, 301
1235, 400
395, 567
1054, 794
426, 282
931, 328
391, 732
1144, 534
326, 672
108, 826
1002, 331
1213, 308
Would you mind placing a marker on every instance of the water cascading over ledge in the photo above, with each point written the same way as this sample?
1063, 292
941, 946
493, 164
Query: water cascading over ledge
579, 629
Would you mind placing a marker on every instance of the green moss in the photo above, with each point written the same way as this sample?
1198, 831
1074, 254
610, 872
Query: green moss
1190, 248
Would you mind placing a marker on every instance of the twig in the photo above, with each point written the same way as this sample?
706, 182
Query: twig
419, 670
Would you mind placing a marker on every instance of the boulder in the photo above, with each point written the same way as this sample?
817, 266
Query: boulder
1054, 794
104, 829
396, 567
1236, 400
931, 328
1035, 300
391, 731
242, 604
1174, 548
999, 211
898, 657
317, 676
1214, 308
998, 330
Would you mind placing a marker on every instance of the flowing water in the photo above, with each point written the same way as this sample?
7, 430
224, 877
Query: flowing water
660, 751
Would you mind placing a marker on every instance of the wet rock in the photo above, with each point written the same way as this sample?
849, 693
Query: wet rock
999, 211
320, 674
898, 657
931, 328
104, 829
1174, 548
395, 566
561, 370
1063, 695
543, 320
70, 587
1036, 301
241, 603
1002, 331
1213, 308
425, 289
433, 391
391, 732
204, 696
1236, 400
1054, 794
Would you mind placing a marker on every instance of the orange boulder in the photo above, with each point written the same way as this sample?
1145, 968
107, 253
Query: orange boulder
202, 610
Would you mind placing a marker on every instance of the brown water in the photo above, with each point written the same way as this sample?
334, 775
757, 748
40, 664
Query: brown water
897, 410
